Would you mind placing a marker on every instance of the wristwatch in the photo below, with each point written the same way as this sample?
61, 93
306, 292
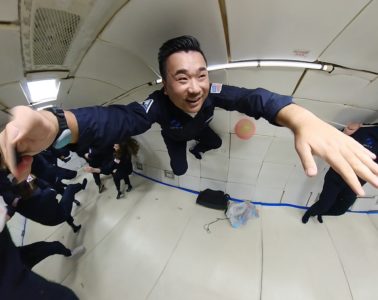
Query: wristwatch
64, 136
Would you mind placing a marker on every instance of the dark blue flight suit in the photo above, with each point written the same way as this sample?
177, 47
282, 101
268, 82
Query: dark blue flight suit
336, 196
41, 205
101, 126
53, 174
120, 170
19, 283
34, 253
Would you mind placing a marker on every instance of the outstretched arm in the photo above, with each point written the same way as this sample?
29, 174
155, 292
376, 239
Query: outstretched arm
28, 133
315, 137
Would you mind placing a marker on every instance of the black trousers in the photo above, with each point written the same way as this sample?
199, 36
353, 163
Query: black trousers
335, 198
33, 253
118, 176
63, 173
44, 208
19, 283
207, 139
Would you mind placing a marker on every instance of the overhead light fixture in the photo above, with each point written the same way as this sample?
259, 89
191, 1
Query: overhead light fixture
43, 90
273, 63
40, 91
244, 64
269, 63
40, 87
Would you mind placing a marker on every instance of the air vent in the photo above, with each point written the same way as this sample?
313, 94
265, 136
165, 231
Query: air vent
55, 35
54, 31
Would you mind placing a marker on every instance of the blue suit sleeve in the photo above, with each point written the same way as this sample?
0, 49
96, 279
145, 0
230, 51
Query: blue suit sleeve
100, 126
252, 102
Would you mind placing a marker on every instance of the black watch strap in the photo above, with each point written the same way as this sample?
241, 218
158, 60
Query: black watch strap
62, 122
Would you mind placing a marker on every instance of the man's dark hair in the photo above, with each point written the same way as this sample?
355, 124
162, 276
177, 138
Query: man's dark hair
182, 43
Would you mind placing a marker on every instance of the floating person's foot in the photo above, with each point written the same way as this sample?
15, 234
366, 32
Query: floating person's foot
196, 153
129, 188
77, 202
84, 183
77, 251
119, 195
305, 217
76, 228
101, 188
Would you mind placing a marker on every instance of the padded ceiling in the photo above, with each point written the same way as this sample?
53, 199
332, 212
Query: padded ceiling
8, 10
141, 27
294, 29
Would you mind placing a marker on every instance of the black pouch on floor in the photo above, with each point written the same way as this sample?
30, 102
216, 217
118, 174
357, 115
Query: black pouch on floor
213, 199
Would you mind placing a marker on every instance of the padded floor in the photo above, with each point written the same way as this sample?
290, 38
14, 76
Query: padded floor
153, 244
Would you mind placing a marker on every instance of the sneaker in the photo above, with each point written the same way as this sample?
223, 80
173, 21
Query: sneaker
129, 188
119, 195
77, 202
77, 251
195, 153
101, 188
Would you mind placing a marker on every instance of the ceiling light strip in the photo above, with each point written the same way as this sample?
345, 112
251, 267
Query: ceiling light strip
269, 63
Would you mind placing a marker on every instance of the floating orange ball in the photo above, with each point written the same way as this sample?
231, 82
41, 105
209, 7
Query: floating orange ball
245, 129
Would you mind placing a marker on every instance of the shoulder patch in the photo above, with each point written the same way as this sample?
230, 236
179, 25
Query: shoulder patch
147, 104
216, 88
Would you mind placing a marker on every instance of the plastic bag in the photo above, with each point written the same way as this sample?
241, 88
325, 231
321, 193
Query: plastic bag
239, 212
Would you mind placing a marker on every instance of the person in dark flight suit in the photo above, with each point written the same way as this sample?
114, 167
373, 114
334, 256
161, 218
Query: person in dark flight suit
36, 200
51, 173
17, 282
336, 196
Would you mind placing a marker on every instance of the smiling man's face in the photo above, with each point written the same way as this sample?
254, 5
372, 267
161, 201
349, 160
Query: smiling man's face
187, 80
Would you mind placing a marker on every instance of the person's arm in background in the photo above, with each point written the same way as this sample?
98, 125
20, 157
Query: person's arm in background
351, 128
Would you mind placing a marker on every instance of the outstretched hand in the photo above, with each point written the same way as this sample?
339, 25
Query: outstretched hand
315, 137
28, 133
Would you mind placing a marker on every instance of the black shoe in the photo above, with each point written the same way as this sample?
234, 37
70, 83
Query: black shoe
76, 228
119, 195
195, 153
129, 188
84, 184
305, 217
101, 188
66, 159
77, 202
320, 219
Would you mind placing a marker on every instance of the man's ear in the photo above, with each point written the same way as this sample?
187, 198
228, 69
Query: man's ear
164, 87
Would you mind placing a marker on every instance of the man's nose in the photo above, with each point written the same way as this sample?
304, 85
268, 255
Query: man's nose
194, 87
